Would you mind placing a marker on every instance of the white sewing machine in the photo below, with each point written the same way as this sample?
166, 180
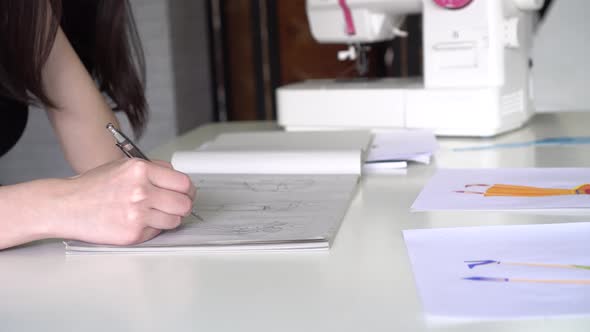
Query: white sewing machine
476, 68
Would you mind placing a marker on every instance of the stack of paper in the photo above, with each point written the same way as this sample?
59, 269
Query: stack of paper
259, 199
303, 140
382, 151
394, 149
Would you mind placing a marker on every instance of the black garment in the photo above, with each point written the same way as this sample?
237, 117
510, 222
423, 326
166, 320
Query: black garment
13, 119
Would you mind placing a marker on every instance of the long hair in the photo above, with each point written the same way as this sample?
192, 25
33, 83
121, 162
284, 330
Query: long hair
103, 34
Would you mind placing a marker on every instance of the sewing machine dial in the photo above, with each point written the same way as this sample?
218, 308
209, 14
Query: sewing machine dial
453, 4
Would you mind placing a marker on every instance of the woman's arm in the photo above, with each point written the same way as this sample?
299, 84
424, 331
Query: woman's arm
122, 202
81, 112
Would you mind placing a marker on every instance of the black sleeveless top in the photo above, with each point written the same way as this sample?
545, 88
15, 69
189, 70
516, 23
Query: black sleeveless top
13, 119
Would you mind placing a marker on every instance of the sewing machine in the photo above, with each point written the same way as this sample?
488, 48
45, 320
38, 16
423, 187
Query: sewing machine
476, 78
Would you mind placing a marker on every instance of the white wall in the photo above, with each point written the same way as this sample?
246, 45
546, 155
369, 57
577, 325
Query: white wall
561, 58
174, 38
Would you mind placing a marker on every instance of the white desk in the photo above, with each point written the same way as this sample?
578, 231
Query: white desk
363, 284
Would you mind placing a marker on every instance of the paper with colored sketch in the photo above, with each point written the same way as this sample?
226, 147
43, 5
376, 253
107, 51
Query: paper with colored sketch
542, 270
506, 189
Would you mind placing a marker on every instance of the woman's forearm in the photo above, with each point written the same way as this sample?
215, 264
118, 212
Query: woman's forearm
28, 211
81, 112
123, 202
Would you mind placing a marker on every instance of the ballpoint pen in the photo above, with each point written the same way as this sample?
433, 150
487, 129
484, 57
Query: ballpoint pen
131, 150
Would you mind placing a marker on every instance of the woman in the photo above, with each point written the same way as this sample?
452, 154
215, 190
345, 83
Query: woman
62, 55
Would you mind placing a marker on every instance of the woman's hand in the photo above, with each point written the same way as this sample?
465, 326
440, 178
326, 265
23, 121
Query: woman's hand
123, 202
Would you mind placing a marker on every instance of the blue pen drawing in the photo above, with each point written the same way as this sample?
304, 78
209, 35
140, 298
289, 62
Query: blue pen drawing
534, 265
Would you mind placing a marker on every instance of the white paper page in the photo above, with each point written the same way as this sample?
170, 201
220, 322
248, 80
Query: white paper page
421, 158
438, 261
384, 167
263, 212
402, 145
300, 140
447, 189
268, 162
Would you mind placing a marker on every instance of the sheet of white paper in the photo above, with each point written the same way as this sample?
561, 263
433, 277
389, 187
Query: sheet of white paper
421, 158
438, 261
447, 189
256, 212
404, 144
385, 171
268, 162
384, 167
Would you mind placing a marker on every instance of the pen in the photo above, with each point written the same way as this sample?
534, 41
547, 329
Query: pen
131, 150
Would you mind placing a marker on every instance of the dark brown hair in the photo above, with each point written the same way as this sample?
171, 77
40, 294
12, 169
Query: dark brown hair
102, 32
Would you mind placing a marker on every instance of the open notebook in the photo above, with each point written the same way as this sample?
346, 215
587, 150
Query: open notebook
263, 200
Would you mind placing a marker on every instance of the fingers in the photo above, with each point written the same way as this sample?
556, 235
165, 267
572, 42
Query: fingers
132, 236
163, 163
162, 221
149, 233
192, 191
168, 178
170, 202
164, 194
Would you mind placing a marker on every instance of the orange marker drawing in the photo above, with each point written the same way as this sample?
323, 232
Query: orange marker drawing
524, 191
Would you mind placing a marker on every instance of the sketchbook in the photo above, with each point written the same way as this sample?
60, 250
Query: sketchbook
258, 200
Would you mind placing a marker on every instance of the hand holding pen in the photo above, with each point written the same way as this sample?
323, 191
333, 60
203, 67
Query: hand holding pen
131, 150
123, 202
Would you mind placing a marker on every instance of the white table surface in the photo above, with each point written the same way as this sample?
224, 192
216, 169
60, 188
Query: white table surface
363, 284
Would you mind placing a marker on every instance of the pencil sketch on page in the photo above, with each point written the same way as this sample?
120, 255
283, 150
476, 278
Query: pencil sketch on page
234, 213
256, 185
255, 196
248, 207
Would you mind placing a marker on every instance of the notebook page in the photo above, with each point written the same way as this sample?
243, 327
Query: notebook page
255, 212
268, 162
